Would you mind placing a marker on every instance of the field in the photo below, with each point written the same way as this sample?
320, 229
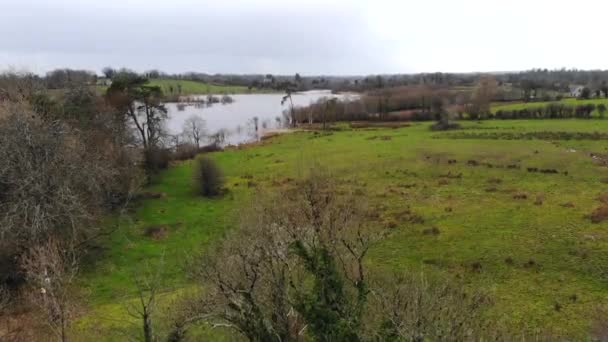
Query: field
170, 86
522, 236
521, 105
194, 87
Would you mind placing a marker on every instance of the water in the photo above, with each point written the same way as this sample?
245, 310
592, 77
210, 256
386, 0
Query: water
236, 118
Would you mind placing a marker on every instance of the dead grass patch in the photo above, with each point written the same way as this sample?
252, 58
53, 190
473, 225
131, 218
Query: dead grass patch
599, 214
520, 196
156, 232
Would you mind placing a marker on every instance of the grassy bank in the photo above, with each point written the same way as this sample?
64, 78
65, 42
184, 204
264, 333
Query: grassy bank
521, 236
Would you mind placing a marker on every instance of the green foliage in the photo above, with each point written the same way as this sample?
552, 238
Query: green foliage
326, 307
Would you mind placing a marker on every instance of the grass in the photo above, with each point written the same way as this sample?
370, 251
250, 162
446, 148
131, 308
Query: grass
521, 105
554, 251
171, 86
195, 87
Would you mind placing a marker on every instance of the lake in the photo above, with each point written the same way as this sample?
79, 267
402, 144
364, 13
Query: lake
236, 118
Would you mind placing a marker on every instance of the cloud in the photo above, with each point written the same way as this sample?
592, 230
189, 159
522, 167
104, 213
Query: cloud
310, 37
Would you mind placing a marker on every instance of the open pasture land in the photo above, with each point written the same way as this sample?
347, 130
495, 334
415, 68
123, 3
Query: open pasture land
508, 106
510, 217
194, 87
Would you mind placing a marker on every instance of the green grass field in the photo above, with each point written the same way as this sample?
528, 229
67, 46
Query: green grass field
521, 105
195, 87
559, 258
170, 87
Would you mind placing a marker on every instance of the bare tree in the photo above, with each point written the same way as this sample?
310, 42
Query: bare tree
254, 281
219, 137
51, 269
194, 128
147, 282
482, 97
292, 114
411, 307
51, 182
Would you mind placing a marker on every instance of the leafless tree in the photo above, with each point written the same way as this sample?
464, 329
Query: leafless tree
483, 94
292, 114
219, 137
19, 86
194, 128
49, 182
147, 282
50, 270
252, 280
249, 279
411, 307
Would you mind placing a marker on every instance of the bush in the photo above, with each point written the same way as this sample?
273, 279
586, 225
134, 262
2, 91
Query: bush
208, 177
156, 159
185, 152
190, 151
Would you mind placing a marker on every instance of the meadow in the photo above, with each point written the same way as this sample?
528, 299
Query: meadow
187, 87
195, 87
522, 105
477, 209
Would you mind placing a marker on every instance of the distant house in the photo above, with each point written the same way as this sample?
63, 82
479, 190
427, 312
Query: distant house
576, 90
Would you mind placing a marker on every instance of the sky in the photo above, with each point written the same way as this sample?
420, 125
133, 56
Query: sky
314, 37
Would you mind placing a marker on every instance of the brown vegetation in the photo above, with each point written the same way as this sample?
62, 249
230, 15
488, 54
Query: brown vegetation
599, 214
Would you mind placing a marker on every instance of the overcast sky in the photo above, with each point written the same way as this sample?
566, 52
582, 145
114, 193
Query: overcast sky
309, 37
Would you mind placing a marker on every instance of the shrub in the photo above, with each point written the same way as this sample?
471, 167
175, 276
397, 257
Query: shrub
442, 126
156, 159
208, 177
185, 152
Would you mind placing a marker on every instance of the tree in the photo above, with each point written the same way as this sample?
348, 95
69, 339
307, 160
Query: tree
482, 97
194, 128
254, 281
328, 111
585, 93
292, 115
108, 72
601, 109
148, 283
410, 307
51, 182
51, 270
141, 103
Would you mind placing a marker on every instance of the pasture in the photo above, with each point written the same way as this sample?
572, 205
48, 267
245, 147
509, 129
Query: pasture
510, 217
508, 106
